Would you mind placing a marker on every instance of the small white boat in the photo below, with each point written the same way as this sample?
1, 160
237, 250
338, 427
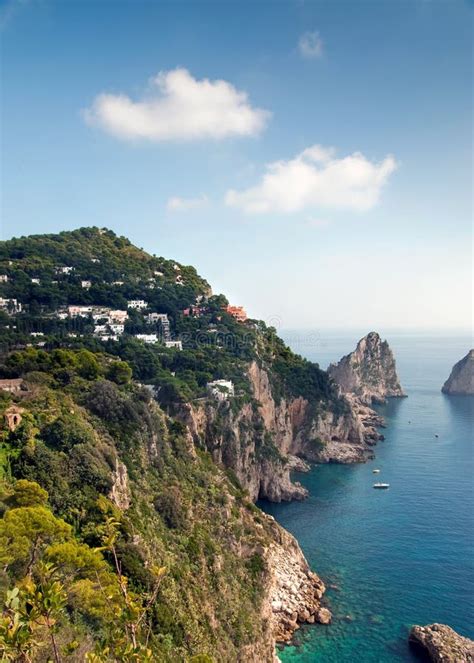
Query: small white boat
375, 471
381, 485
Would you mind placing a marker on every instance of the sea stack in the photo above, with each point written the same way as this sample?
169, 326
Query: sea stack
369, 373
442, 644
461, 380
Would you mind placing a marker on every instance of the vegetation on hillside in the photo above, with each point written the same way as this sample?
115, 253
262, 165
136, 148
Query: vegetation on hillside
216, 346
120, 539
85, 580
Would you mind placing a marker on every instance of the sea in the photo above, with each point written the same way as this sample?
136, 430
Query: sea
397, 557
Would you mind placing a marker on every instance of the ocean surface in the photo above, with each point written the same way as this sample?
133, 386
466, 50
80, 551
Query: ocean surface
402, 556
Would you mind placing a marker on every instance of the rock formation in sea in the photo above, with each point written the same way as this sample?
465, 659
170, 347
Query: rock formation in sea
461, 380
442, 644
369, 372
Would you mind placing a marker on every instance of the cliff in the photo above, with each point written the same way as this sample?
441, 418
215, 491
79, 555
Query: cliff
442, 644
262, 440
144, 477
369, 372
461, 380
114, 478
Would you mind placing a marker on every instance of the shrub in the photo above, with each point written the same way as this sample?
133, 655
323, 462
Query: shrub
168, 504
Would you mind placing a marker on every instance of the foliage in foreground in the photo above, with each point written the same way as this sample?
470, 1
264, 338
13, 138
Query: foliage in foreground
160, 577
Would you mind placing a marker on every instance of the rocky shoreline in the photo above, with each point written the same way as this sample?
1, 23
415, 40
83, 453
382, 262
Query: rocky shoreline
442, 644
300, 435
294, 591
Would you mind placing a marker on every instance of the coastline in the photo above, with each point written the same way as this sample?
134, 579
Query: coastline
362, 541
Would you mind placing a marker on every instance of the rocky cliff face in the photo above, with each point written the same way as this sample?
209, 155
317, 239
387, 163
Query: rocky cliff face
294, 592
369, 373
461, 380
442, 644
263, 440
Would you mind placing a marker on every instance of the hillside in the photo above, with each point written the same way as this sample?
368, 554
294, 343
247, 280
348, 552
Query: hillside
142, 417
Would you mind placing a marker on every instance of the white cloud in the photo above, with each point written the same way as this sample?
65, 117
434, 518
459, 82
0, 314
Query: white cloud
316, 179
311, 45
178, 107
177, 204
317, 223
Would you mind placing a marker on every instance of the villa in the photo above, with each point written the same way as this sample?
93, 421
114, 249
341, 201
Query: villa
118, 316
147, 338
221, 390
80, 311
10, 305
137, 304
177, 345
237, 312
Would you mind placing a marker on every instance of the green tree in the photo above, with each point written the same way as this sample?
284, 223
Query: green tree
27, 493
87, 365
119, 372
24, 534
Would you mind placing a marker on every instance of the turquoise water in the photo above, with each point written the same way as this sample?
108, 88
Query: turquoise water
398, 557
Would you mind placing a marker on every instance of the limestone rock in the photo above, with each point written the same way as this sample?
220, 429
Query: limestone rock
294, 591
442, 644
292, 429
461, 380
120, 491
369, 373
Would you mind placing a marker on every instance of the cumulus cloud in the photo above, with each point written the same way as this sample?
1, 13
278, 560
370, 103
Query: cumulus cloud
316, 179
177, 204
311, 45
178, 107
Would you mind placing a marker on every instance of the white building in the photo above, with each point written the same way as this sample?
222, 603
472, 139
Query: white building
102, 315
118, 316
64, 270
99, 330
79, 311
147, 338
137, 304
178, 345
117, 329
151, 318
117, 282
96, 260
86, 284
10, 305
37, 281
3, 278
221, 390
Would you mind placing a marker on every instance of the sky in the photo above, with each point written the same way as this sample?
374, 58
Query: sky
313, 160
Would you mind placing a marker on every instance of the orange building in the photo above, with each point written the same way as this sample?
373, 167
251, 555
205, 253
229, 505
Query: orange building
237, 312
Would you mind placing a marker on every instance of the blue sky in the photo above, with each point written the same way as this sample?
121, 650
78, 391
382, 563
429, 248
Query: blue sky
371, 229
